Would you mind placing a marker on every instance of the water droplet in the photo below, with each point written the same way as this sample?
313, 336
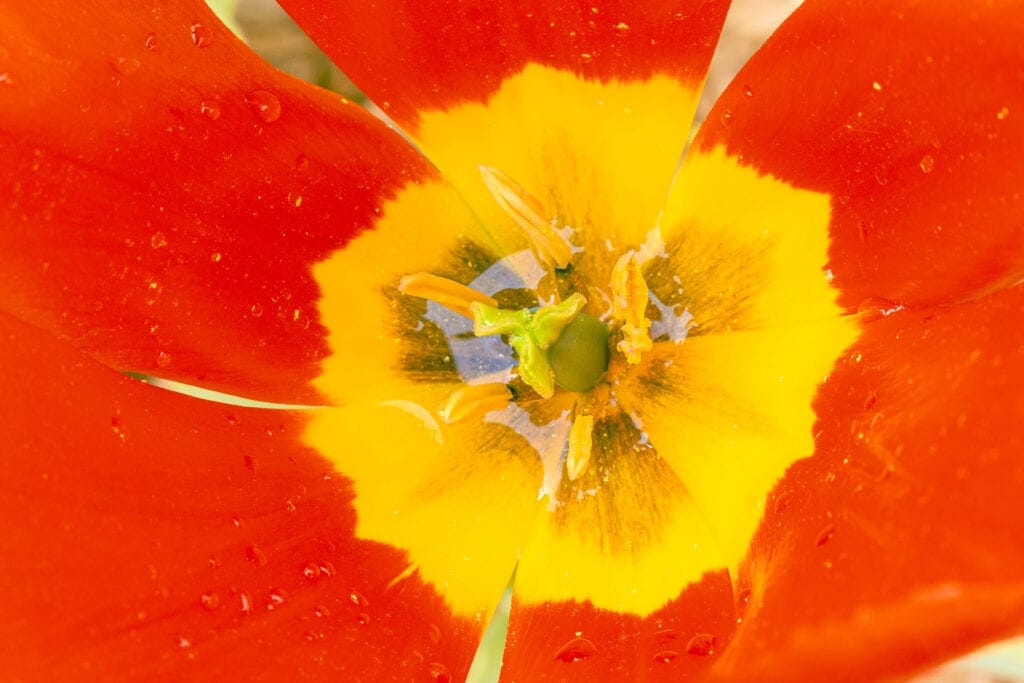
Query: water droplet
875, 308
215, 257
126, 66
246, 603
327, 569
184, 643
363, 618
748, 91
158, 240
665, 656
876, 86
622, 28
210, 109
439, 673
321, 611
311, 572
927, 163
277, 598
1001, 114
702, 644
825, 535
586, 57
201, 36
256, 310
295, 199
576, 649
163, 359
255, 555
726, 117
264, 105
311, 635
358, 599
152, 42
434, 633
209, 601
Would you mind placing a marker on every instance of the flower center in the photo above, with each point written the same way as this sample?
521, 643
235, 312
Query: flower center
557, 344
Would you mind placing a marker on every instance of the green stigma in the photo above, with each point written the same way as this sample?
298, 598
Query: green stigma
555, 344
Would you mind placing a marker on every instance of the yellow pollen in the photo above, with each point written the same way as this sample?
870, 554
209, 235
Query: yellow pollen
629, 305
580, 445
526, 210
449, 293
475, 400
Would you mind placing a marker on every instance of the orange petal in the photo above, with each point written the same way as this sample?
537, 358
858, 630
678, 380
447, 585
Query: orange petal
165, 194
902, 533
911, 117
414, 56
148, 535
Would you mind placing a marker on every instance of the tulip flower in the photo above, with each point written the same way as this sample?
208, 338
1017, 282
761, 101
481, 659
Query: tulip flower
751, 417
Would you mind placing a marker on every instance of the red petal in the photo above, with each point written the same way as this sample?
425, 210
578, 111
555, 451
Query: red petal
911, 117
898, 543
411, 56
578, 642
147, 535
165, 194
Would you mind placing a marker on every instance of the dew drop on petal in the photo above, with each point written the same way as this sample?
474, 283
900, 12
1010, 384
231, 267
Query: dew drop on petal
927, 163
201, 35
157, 240
586, 57
152, 42
126, 66
575, 650
363, 618
665, 656
726, 117
277, 598
264, 105
321, 611
256, 310
1003, 113
825, 535
439, 673
256, 556
311, 571
358, 599
163, 359
701, 645
748, 91
210, 109
209, 601
622, 28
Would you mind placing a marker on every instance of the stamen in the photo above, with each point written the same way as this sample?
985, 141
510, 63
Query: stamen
629, 304
550, 247
580, 445
475, 400
530, 335
449, 293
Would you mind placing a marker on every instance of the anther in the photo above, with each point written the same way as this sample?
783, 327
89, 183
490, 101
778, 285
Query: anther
526, 210
449, 293
581, 443
475, 400
629, 305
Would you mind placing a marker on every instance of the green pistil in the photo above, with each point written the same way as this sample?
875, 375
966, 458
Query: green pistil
530, 334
